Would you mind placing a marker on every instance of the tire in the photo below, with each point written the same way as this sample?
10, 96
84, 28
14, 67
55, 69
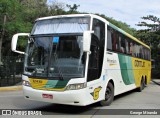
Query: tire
141, 86
109, 95
145, 85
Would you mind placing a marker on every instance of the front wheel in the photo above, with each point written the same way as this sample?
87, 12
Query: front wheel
109, 95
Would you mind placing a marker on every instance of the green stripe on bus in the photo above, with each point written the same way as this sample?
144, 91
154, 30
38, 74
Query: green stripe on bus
115, 27
126, 69
61, 83
56, 84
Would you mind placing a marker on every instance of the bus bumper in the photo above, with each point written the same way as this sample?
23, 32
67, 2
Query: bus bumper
69, 97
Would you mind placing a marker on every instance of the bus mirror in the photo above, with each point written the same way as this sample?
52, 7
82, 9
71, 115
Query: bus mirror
14, 42
87, 40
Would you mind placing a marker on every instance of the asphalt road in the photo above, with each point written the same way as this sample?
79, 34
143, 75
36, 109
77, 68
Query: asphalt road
149, 98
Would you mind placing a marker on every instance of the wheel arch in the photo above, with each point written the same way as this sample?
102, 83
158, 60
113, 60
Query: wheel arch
112, 82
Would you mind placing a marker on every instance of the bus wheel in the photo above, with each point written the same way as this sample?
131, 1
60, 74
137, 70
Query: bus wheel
141, 86
145, 83
109, 95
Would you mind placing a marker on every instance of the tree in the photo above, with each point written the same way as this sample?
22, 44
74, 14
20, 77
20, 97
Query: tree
154, 26
73, 9
151, 36
56, 8
9, 11
120, 24
19, 16
33, 9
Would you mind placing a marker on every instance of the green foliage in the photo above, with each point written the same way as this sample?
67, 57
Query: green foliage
120, 24
15, 21
11, 9
20, 16
151, 36
154, 26
72, 9
56, 8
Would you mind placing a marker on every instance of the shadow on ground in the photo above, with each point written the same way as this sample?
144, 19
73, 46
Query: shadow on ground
55, 109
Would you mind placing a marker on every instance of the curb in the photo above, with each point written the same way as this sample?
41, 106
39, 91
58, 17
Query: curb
11, 88
156, 82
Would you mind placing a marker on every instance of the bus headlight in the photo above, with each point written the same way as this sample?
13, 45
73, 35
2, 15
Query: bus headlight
26, 83
76, 86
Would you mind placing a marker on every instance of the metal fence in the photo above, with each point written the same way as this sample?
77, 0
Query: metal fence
11, 71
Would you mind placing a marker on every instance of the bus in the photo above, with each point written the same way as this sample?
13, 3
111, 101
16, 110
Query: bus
81, 59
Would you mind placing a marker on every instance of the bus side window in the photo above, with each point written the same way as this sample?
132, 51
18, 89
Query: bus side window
127, 42
133, 49
127, 46
99, 29
114, 41
136, 50
140, 51
119, 43
130, 48
94, 57
109, 39
97, 50
122, 44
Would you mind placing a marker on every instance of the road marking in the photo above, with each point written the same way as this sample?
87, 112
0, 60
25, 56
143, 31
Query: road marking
4, 96
11, 88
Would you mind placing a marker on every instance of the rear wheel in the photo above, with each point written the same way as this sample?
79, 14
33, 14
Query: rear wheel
109, 95
141, 86
145, 83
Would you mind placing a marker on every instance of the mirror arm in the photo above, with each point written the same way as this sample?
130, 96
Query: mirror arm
19, 52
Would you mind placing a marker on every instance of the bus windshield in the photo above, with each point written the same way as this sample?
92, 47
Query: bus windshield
55, 57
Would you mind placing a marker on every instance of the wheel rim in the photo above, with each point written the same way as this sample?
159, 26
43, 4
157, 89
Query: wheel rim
108, 93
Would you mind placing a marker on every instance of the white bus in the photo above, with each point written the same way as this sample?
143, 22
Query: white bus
81, 59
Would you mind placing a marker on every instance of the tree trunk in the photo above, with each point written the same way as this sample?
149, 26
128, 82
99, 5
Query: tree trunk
1, 39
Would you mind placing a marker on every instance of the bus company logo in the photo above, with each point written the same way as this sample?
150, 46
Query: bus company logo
111, 62
138, 63
95, 93
35, 81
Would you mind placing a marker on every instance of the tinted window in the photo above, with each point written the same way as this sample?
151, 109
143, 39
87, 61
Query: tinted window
120, 43
109, 39
97, 50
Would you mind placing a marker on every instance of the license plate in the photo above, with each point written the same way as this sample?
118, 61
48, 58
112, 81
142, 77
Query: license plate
49, 96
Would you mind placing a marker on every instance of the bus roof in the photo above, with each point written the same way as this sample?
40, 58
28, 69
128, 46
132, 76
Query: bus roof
61, 16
